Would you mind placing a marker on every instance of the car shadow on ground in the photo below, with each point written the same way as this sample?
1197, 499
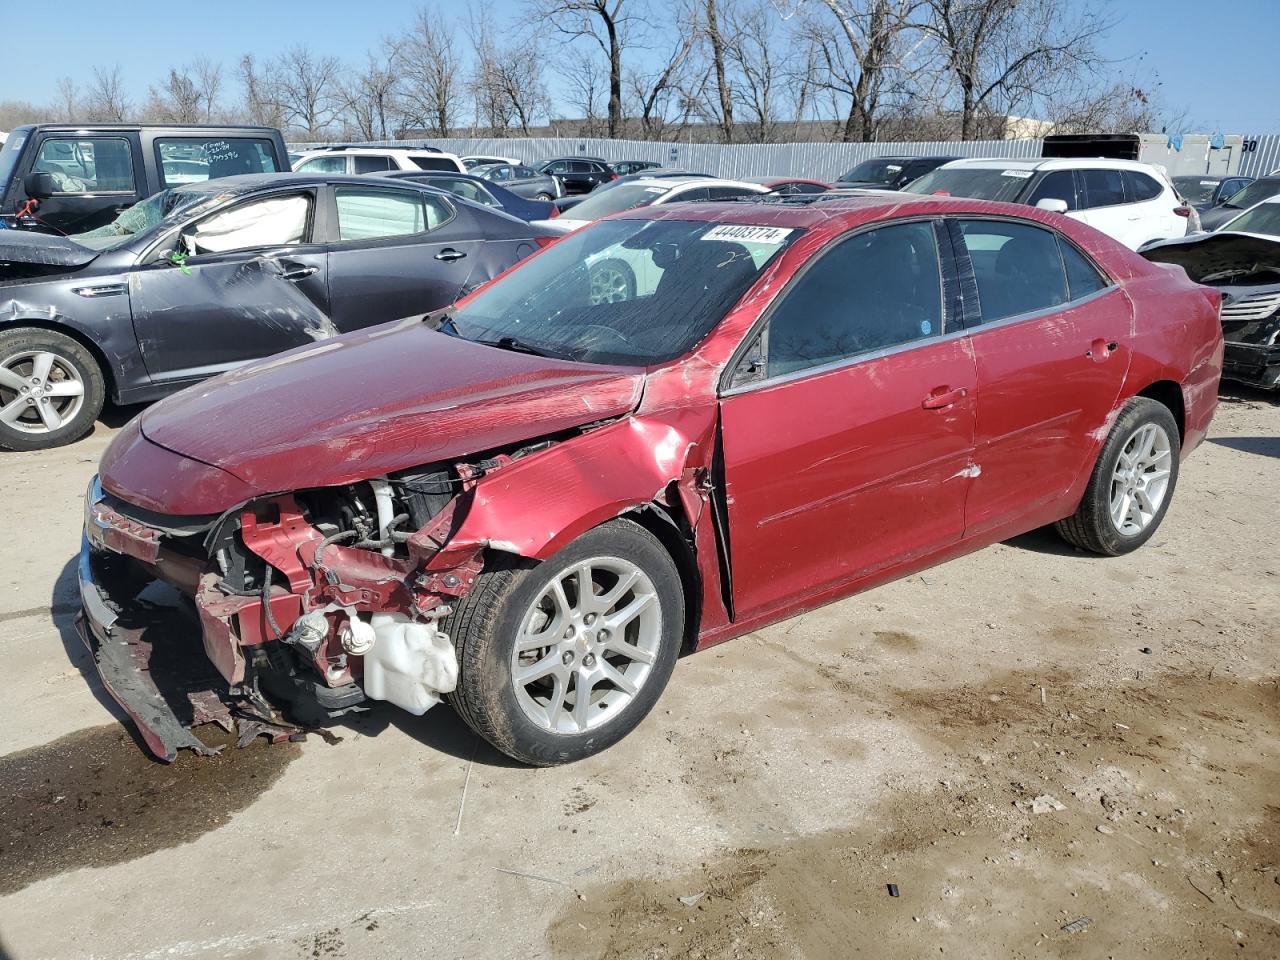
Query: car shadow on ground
116, 417
1046, 540
1262, 446
440, 728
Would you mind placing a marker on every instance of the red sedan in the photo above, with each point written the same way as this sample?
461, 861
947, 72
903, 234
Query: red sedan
532, 502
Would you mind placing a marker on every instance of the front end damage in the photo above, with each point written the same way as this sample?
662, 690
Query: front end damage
305, 605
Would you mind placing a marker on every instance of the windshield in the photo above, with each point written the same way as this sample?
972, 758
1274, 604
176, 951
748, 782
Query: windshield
630, 292
1194, 189
1255, 192
878, 170
1264, 218
9, 157
979, 183
162, 207
628, 196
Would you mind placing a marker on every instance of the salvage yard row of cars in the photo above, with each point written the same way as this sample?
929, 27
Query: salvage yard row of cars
573, 455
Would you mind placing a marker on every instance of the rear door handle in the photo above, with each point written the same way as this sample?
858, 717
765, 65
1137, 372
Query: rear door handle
448, 255
1101, 349
297, 271
941, 397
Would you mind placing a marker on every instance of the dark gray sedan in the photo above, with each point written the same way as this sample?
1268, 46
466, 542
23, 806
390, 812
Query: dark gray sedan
521, 180
201, 278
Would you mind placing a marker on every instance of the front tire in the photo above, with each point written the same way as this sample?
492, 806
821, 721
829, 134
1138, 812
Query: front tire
1132, 483
51, 389
562, 659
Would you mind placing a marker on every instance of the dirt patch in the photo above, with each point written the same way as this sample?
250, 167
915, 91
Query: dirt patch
1168, 843
897, 640
95, 798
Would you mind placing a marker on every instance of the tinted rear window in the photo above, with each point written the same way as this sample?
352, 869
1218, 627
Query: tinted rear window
1103, 188
1141, 186
1195, 189
1017, 266
195, 159
434, 163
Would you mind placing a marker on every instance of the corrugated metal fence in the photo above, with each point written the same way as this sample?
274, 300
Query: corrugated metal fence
822, 160
1260, 154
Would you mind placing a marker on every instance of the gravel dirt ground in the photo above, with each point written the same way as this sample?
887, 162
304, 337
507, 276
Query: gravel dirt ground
1047, 754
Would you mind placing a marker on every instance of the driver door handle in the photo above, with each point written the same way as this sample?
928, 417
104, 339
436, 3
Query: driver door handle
448, 255
297, 271
941, 397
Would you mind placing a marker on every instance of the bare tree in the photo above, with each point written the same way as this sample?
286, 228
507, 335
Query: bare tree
68, 108
106, 99
657, 91
1002, 54
308, 90
711, 25
608, 24
208, 81
371, 95
431, 71
758, 60
261, 99
584, 82
177, 100
857, 59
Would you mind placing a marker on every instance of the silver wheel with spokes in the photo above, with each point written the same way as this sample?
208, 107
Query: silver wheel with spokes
586, 645
40, 391
612, 281
1140, 480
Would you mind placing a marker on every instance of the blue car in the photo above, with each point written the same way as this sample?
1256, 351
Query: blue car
476, 189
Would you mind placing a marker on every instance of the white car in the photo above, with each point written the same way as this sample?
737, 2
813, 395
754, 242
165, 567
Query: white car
646, 192
478, 160
344, 159
1134, 203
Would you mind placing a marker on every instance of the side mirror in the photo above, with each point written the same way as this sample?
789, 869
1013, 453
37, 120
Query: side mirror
1052, 205
39, 186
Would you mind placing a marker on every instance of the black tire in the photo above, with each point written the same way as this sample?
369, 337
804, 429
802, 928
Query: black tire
546, 197
71, 357
485, 624
1091, 526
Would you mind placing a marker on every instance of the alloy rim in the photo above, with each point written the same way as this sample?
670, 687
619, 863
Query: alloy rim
39, 392
1140, 481
608, 284
587, 645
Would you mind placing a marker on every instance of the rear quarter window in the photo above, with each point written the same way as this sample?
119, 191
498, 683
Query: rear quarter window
434, 163
1142, 187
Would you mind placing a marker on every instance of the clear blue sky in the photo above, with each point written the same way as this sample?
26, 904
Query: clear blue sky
1213, 59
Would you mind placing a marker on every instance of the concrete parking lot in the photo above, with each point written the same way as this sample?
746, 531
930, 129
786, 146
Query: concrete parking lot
1025, 740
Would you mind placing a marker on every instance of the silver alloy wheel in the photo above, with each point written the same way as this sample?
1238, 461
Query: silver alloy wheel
39, 391
586, 645
1140, 481
609, 284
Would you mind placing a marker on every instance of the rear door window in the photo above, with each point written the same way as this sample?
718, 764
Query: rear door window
873, 291
1103, 188
372, 214
195, 159
1017, 267
372, 164
87, 165
329, 164
1056, 185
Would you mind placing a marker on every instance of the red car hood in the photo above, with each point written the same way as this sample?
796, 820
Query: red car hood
383, 399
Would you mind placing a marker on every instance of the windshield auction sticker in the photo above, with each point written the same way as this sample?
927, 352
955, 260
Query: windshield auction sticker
747, 234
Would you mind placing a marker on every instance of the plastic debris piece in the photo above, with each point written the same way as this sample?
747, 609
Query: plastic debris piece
692, 898
1041, 804
1075, 926
893, 889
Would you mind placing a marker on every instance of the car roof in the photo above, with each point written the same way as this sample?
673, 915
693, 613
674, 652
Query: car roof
1046, 163
249, 182
408, 151
673, 183
554, 159
126, 127
774, 180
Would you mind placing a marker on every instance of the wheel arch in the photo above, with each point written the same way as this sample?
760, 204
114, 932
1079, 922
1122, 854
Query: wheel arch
671, 527
1169, 394
53, 326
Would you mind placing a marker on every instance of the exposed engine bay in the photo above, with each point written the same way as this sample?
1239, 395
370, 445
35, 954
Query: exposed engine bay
308, 603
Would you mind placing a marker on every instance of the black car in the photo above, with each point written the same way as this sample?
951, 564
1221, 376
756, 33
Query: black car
468, 186
68, 178
578, 174
199, 279
520, 180
624, 168
890, 173
1239, 202
1205, 192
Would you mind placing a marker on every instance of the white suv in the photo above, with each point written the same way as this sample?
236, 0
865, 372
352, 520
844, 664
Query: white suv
343, 159
1133, 202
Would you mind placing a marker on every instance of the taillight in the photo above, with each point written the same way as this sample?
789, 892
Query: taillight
544, 242
613, 176
555, 212
1183, 211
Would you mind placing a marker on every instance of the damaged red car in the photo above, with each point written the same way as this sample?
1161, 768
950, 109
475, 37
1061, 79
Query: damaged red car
531, 503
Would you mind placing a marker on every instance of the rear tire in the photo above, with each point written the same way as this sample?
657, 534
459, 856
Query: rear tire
545, 197
528, 640
51, 389
1132, 482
